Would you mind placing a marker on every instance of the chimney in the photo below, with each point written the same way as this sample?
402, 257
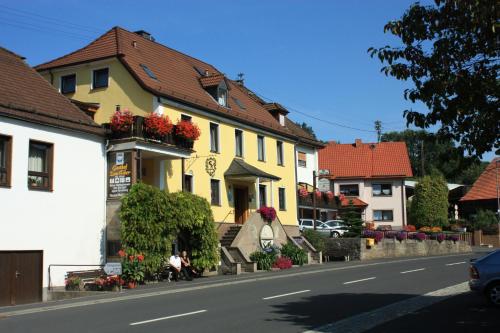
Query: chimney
207, 73
358, 143
145, 34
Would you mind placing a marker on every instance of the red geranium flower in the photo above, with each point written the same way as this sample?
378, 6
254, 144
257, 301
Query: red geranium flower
157, 126
329, 195
187, 130
121, 121
318, 194
131, 258
140, 257
303, 192
122, 253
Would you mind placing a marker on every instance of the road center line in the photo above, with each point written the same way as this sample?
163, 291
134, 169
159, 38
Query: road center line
288, 294
413, 270
456, 263
367, 320
165, 318
356, 281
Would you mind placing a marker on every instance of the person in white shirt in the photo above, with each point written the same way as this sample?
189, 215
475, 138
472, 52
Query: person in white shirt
176, 267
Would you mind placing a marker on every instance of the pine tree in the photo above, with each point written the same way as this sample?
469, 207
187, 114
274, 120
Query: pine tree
352, 221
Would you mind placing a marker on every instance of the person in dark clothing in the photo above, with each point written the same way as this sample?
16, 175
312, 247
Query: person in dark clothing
177, 268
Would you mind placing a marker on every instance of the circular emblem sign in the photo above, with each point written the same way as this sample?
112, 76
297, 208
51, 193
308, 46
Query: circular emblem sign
266, 236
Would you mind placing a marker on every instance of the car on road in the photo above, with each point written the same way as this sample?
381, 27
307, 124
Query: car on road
335, 228
485, 276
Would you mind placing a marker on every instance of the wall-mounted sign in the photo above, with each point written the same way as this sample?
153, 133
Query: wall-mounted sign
324, 172
266, 236
119, 173
113, 268
324, 184
211, 165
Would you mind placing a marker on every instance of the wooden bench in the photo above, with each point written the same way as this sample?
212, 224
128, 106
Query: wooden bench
87, 277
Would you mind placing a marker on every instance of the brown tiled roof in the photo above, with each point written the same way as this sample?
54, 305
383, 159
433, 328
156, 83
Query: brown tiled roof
25, 95
211, 80
302, 135
275, 107
177, 76
485, 187
356, 202
366, 160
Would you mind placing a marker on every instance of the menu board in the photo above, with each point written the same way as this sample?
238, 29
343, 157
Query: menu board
119, 173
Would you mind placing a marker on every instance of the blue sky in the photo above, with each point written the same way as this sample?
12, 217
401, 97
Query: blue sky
308, 55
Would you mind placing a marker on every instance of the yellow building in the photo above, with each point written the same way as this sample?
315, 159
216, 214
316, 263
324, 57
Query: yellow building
245, 156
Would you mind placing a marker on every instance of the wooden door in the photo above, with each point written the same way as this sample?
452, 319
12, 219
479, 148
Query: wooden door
240, 204
21, 277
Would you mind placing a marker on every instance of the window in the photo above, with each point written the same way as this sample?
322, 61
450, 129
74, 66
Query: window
188, 183
239, 103
380, 190
214, 138
149, 72
302, 159
185, 117
282, 198
279, 151
215, 192
40, 166
262, 195
100, 78
5, 160
260, 148
222, 94
349, 190
238, 139
68, 84
382, 215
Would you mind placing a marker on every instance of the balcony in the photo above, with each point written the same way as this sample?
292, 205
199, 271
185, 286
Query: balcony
323, 203
139, 132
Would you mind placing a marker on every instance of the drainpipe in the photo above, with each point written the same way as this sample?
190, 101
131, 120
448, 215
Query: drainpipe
403, 201
183, 171
257, 193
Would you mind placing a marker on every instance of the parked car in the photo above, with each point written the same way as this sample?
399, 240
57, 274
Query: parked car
308, 224
336, 228
485, 276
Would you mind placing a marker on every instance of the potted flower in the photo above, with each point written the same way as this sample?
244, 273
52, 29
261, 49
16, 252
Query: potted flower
72, 283
121, 122
317, 193
187, 132
132, 268
157, 127
268, 214
329, 195
303, 192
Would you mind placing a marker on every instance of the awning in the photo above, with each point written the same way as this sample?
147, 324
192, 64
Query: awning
241, 170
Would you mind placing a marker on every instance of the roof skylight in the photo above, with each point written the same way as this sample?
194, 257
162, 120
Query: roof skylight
149, 72
239, 103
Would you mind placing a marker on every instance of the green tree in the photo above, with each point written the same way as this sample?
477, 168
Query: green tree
352, 221
436, 154
486, 220
307, 128
429, 206
450, 52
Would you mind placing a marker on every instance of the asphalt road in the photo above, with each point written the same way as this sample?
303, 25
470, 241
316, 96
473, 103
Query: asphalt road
299, 300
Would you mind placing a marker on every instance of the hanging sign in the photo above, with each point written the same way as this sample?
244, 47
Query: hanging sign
211, 165
324, 184
119, 173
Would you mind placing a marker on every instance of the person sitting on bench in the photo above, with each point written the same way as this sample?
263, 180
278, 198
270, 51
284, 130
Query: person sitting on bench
176, 267
186, 263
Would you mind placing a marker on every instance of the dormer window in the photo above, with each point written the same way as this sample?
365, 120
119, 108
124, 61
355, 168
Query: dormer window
222, 94
277, 111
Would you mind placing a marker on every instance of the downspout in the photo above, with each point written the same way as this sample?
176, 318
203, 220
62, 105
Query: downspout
403, 199
296, 181
183, 171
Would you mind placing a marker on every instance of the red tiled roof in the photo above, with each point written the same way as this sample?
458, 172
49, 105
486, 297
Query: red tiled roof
275, 107
177, 75
485, 187
25, 95
357, 202
211, 80
366, 160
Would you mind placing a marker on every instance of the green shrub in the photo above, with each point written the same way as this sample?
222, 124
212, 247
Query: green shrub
295, 253
429, 205
265, 258
486, 220
352, 221
316, 238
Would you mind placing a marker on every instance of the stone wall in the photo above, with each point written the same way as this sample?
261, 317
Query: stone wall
356, 248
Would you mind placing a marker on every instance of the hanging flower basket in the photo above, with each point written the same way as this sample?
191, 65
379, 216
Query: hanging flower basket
268, 214
317, 194
330, 196
157, 127
121, 121
303, 192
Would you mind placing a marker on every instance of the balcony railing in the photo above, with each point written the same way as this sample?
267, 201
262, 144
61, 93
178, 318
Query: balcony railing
138, 131
322, 202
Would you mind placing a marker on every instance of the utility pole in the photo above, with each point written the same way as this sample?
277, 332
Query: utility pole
378, 129
314, 199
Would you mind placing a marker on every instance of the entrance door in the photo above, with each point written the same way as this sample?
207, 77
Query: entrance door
240, 204
21, 276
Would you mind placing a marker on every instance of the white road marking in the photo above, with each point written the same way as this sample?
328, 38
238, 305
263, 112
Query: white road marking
413, 270
368, 320
456, 263
161, 291
356, 281
165, 318
288, 294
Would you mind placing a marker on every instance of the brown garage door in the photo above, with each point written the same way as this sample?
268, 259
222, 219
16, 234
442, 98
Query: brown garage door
20, 277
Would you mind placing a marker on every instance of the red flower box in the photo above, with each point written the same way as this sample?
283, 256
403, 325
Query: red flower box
303, 192
187, 130
157, 127
121, 121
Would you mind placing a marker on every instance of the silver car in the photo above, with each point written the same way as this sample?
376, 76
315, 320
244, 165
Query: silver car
485, 276
308, 224
336, 228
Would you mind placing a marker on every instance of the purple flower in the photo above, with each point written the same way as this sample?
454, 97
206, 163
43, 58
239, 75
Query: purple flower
453, 238
440, 238
401, 236
378, 236
420, 236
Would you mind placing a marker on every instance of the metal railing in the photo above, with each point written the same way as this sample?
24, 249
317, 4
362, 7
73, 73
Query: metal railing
65, 265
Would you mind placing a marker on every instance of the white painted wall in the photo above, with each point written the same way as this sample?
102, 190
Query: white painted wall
305, 175
67, 224
393, 202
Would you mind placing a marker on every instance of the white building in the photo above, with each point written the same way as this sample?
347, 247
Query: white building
52, 185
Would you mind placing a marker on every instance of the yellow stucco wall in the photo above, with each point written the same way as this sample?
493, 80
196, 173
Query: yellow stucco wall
123, 90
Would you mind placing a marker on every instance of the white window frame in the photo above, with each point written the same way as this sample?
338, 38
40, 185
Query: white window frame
263, 148
382, 195
382, 210
60, 82
242, 143
92, 77
218, 137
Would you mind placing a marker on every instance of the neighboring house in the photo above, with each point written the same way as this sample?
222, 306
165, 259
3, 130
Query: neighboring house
484, 193
371, 176
244, 158
52, 177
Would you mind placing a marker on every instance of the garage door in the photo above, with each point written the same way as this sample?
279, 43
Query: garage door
20, 277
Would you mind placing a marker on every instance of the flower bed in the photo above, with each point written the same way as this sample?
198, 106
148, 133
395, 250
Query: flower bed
282, 263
